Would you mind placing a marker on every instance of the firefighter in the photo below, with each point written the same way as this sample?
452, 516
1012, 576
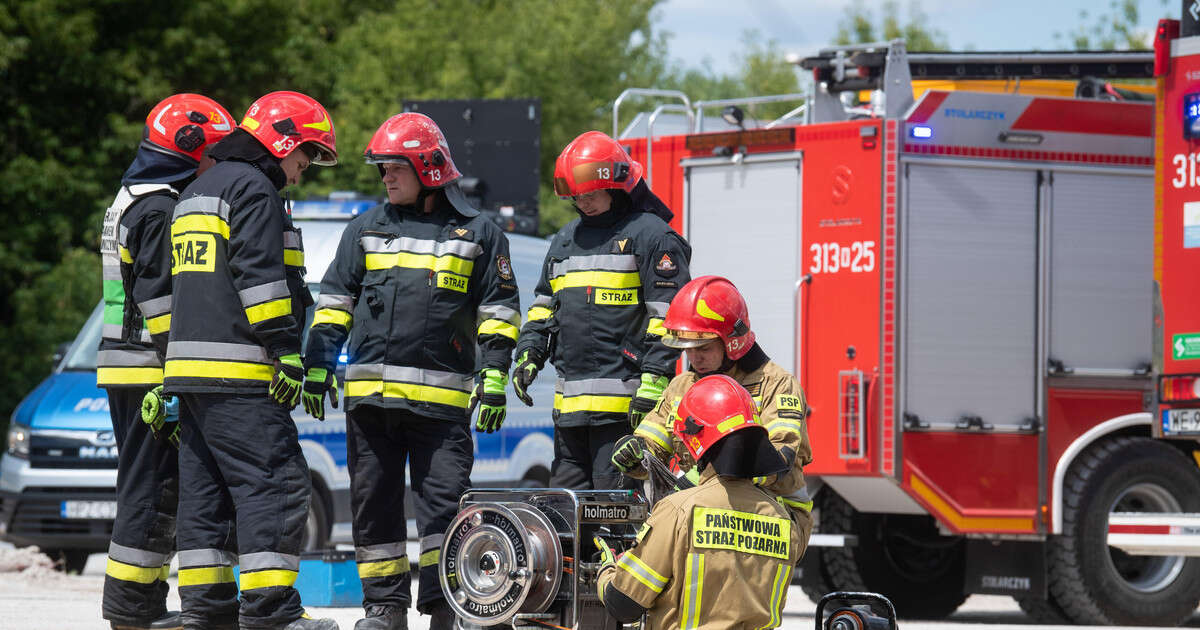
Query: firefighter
709, 320
719, 555
238, 302
137, 287
597, 310
417, 284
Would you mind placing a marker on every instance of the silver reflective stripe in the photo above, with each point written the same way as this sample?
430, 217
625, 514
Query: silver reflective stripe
657, 309
429, 543
496, 311
263, 292
137, 557
602, 262
205, 558
202, 205
112, 271
385, 551
144, 337
541, 300
340, 302
123, 236
460, 248
111, 331
291, 240
694, 583
127, 358
608, 386
262, 560
217, 350
156, 306
635, 565
401, 374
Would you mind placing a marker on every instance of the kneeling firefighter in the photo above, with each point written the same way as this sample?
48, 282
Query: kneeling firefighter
721, 554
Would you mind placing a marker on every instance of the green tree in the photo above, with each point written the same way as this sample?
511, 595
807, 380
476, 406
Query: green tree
859, 25
1114, 29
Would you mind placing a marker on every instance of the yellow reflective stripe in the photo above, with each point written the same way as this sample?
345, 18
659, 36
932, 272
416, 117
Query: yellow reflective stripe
268, 578
165, 573
654, 433
383, 568
128, 375
590, 402
126, 257
430, 558
159, 325
655, 327
269, 310
803, 505
642, 572
179, 368
333, 316
605, 279
693, 588
206, 575
131, 573
498, 327
730, 423
538, 313
781, 424
293, 258
411, 391
409, 260
200, 223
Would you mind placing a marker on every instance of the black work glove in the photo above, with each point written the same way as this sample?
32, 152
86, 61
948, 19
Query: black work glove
523, 376
317, 383
287, 381
627, 453
489, 396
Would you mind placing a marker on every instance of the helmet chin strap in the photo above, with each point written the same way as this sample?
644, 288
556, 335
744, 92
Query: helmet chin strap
726, 365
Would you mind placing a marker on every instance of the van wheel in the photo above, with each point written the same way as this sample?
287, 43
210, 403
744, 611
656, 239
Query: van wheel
1100, 585
316, 525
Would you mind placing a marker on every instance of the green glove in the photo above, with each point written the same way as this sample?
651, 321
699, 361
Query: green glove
693, 475
489, 395
607, 556
154, 408
287, 381
627, 454
317, 383
161, 413
523, 375
647, 396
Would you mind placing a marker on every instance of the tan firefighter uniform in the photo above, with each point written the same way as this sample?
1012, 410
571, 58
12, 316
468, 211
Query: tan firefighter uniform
716, 556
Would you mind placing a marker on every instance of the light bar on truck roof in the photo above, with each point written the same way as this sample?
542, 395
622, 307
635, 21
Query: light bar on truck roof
332, 209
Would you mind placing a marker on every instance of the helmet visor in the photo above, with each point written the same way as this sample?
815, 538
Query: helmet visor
684, 339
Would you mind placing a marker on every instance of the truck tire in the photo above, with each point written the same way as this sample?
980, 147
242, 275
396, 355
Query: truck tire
899, 556
813, 577
1095, 584
1043, 611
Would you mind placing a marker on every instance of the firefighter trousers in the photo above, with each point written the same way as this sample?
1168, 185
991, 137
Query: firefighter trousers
439, 454
583, 457
243, 478
143, 539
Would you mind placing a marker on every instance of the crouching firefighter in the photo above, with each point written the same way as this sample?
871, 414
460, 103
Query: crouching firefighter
135, 250
709, 320
416, 284
233, 359
719, 555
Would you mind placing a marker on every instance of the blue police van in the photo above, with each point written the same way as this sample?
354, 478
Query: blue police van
59, 468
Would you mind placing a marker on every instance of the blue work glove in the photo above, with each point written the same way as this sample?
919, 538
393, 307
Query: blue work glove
287, 381
647, 396
523, 376
489, 396
317, 383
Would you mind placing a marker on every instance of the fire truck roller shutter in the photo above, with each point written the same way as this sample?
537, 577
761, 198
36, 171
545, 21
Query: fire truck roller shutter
754, 207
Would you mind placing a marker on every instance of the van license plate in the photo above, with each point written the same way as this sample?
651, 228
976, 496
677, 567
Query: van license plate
1181, 421
92, 510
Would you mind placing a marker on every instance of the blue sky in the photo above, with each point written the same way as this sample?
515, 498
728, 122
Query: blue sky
713, 28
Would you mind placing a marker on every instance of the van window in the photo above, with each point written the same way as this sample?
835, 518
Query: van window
82, 355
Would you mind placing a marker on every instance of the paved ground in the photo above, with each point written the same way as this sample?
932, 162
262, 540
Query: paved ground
40, 600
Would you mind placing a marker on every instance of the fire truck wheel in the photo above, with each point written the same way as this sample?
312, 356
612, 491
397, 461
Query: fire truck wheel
901, 557
1095, 584
813, 578
1043, 611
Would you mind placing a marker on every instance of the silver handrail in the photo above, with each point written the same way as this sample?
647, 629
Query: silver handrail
650, 134
747, 100
616, 115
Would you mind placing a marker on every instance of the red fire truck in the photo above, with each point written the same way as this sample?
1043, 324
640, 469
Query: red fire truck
963, 281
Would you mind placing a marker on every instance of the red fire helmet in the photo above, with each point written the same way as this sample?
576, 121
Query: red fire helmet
183, 124
711, 409
708, 308
282, 121
414, 138
594, 161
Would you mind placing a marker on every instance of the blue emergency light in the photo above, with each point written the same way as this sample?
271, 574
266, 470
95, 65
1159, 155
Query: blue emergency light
1191, 115
920, 132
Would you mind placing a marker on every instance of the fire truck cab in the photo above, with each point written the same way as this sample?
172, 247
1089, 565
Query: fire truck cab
963, 282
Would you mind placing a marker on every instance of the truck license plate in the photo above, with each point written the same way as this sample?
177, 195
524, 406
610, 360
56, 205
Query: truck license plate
92, 510
1181, 421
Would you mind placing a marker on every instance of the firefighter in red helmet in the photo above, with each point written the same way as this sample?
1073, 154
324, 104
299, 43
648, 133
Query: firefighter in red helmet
417, 285
719, 555
233, 359
709, 320
598, 309
137, 304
